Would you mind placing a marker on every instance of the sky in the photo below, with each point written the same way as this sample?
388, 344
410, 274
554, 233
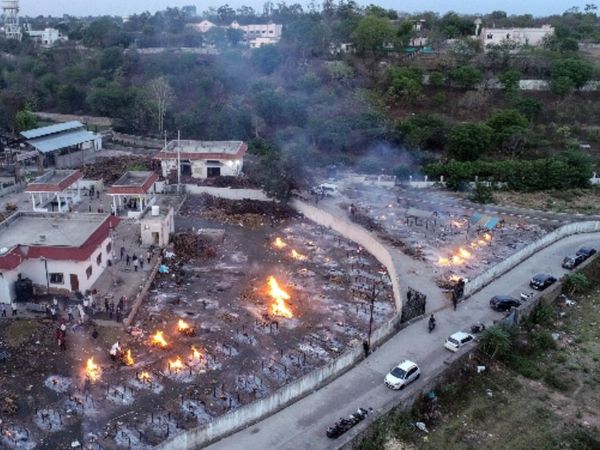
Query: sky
127, 7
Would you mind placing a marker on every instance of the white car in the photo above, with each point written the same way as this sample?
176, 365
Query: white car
404, 373
457, 340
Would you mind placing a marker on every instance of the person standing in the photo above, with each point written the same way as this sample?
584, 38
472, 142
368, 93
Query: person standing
135, 265
3, 310
122, 252
106, 304
13, 305
127, 260
141, 264
70, 313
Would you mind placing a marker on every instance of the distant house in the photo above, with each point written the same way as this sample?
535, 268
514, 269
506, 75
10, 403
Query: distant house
203, 159
64, 145
257, 35
515, 36
47, 37
204, 26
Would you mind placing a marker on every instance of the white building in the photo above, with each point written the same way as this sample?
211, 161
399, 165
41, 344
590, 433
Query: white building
47, 37
133, 193
60, 253
257, 35
203, 159
55, 187
515, 36
203, 26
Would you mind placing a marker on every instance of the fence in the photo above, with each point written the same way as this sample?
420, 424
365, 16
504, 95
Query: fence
137, 141
499, 269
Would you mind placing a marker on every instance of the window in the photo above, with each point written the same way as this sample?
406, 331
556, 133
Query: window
108, 248
88, 272
57, 278
99, 258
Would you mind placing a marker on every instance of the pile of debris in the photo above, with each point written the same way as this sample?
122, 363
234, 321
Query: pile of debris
248, 213
188, 245
111, 169
240, 182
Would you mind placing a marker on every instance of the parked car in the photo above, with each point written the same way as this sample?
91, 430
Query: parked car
541, 281
503, 302
586, 251
325, 190
572, 261
457, 340
404, 373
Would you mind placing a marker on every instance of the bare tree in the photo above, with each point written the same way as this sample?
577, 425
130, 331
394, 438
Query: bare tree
161, 94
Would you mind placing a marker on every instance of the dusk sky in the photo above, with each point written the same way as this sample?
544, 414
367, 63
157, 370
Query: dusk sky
127, 7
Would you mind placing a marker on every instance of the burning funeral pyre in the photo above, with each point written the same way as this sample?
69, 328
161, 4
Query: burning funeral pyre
92, 370
279, 296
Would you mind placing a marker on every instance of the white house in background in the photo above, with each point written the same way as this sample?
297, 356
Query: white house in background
55, 187
133, 193
47, 37
59, 253
257, 35
204, 26
203, 159
515, 36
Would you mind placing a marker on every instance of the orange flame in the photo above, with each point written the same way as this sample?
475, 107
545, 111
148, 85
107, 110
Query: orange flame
464, 253
176, 365
482, 242
278, 243
454, 278
145, 377
456, 224
196, 354
92, 370
299, 256
279, 308
474, 245
457, 260
443, 261
183, 325
159, 340
128, 358
487, 236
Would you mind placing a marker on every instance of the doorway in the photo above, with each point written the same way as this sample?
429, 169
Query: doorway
155, 237
186, 168
213, 172
74, 282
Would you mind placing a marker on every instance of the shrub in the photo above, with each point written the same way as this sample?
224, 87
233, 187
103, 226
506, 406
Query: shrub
496, 342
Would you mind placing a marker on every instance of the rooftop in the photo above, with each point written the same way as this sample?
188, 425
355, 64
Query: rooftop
51, 129
203, 150
134, 182
54, 181
49, 229
53, 142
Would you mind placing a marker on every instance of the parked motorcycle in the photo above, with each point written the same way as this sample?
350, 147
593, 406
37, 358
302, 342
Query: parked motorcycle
478, 328
345, 423
431, 323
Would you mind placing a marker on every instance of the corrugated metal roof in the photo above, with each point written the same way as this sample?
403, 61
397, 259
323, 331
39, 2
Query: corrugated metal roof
44, 131
52, 143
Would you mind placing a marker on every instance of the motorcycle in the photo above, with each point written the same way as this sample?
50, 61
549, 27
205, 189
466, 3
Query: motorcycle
478, 328
345, 423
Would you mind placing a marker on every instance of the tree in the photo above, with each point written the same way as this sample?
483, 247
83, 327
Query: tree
529, 107
577, 71
496, 341
436, 79
25, 120
510, 131
161, 94
575, 283
406, 31
405, 83
469, 141
465, 77
267, 58
372, 34
510, 80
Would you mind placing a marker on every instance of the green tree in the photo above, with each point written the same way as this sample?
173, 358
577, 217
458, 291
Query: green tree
574, 283
436, 79
372, 34
406, 31
465, 77
510, 80
267, 58
510, 131
405, 83
529, 107
25, 120
576, 70
469, 141
496, 341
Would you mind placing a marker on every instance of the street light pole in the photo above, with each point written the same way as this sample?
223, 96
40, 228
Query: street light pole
178, 161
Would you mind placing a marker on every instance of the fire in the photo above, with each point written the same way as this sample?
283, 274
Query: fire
482, 242
128, 358
92, 370
299, 256
176, 365
443, 261
457, 260
456, 224
182, 325
279, 308
145, 377
464, 253
278, 243
196, 354
473, 245
454, 278
487, 237
159, 340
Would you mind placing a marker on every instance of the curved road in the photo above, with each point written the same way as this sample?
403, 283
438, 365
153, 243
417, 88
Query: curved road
302, 425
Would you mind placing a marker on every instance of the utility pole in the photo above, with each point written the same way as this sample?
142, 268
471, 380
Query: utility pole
178, 162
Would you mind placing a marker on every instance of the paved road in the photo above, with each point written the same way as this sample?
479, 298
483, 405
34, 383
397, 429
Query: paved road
302, 425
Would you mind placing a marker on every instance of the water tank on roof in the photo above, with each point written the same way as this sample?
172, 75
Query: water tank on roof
155, 210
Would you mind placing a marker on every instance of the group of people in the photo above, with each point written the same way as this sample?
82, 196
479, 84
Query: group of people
137, 262
115, 311
13, 307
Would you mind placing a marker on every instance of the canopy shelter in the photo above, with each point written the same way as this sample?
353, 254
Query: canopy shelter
134, 192
482, 220
59, 187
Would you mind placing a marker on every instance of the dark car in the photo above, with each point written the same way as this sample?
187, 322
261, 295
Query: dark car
503, 302
572, 261
541, 281
586, 252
